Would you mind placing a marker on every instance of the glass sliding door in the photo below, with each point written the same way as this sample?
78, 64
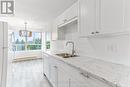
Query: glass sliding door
28, 43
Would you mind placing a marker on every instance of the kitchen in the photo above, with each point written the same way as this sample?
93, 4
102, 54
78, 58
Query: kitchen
84, 44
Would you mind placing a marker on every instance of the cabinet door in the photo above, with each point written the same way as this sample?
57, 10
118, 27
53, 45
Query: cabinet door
61, 19
68, 14
75, 78
63, 76
72, 12
94, 82
46, 66
54, 76
110, 16
87, 17
53, 72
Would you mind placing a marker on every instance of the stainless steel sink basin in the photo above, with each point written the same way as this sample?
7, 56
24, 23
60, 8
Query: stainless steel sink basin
66, 55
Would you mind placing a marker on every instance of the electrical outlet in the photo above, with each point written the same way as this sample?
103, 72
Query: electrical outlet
112, 48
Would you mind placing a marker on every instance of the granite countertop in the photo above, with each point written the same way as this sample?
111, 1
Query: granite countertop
116, 74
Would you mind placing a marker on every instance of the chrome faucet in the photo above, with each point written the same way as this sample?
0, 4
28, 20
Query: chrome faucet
73, 51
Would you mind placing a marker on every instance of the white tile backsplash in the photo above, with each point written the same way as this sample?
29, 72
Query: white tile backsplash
114, 49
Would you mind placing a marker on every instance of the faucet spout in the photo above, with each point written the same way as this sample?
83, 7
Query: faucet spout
71, 42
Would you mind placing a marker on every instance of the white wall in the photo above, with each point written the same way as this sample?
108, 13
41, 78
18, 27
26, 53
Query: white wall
114, 49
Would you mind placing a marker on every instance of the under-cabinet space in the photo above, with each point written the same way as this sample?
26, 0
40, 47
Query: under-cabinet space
68, 32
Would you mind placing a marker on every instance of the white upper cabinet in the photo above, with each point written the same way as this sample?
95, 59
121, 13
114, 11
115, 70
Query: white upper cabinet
87, 17
111, 16
60, 19
68, 15
103, 16
72, 12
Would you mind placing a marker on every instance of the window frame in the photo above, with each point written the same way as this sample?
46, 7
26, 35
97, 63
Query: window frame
26, 44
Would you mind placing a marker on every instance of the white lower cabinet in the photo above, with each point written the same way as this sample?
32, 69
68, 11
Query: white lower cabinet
75, 78
63, 78
61, 74
46, 66
51, 69
53, 72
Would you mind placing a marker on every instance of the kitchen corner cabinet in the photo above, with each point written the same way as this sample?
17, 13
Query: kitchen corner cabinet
61, 74
66, 17
103, 16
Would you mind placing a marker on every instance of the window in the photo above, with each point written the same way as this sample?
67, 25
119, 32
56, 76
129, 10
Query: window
48, 39
19, 42
34, 42
29, 43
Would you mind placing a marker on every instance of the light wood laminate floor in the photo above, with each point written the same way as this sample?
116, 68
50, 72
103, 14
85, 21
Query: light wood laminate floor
26, 74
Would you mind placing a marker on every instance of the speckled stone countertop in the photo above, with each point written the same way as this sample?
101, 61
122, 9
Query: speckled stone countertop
116, 74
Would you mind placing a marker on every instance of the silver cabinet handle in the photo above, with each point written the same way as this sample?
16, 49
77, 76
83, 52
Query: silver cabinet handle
97, 32
87, 76
55, 67
92, 33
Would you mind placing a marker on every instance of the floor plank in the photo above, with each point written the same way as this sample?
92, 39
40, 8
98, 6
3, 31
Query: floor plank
26, 74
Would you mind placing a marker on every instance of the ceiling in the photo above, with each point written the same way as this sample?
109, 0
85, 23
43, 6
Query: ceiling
37, 12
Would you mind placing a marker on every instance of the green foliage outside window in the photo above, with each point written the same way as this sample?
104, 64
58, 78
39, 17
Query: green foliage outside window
33, 47
47, 44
